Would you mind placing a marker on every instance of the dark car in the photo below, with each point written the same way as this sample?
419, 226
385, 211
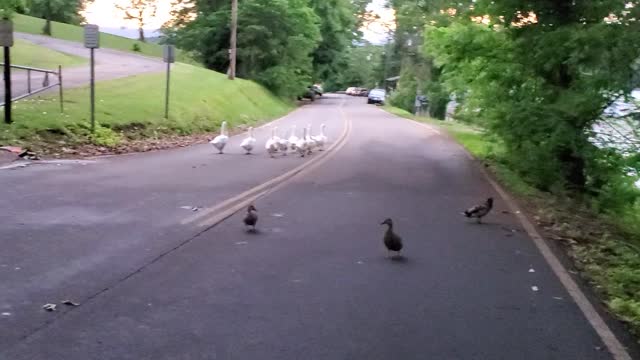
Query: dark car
311, 93
377, 96
318, 89
363, 92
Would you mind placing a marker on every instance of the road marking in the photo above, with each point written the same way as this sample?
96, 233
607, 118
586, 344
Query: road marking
212, 216
608, 338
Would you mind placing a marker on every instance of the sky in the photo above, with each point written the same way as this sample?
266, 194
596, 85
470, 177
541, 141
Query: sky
104, 14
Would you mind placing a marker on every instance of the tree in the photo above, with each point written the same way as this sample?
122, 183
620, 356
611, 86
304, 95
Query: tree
66, 11
539, 75
139, 11
339, 27
275, 40
358, 66
9, 7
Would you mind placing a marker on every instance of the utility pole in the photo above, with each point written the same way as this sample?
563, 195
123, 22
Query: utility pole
234, 37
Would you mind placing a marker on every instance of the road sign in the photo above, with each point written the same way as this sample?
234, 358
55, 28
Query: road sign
91, 36
6, 33
169, 53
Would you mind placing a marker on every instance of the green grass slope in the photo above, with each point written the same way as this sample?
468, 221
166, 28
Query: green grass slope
32, 25
26, 53
200, 100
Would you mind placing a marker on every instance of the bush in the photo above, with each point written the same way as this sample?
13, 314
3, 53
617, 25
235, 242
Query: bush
105, 137
136, 47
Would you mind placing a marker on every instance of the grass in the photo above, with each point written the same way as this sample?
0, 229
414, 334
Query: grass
32, 25
602, 246
134, 106
26, 53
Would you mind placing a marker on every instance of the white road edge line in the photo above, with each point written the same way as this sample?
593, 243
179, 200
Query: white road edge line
612, 343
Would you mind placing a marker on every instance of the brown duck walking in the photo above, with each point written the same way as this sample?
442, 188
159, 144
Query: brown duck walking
251, 219
392, 241
479, 211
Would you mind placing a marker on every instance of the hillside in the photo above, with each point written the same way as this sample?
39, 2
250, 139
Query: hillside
133, 108
26, 53
31, 25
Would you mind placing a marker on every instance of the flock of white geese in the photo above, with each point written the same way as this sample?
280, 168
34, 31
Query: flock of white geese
301, 145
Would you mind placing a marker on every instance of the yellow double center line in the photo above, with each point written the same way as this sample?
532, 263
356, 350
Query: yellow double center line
212, 216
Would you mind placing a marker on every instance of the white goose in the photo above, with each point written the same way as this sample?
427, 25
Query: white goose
220, 141
293, 139
283, 144
311, 143
301, 144
249, 142
272, 143
321, 139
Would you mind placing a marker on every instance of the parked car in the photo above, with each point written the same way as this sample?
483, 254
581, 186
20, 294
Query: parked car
350, 90
318, 89
377, 96
363, 92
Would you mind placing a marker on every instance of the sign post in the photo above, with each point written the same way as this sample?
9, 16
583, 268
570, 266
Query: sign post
169, 56
6, 41
92, 42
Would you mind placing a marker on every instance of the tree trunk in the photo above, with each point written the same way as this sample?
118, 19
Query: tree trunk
46, 29
574, 166
141, 34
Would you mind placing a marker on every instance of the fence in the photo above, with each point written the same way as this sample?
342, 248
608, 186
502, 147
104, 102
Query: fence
46, 83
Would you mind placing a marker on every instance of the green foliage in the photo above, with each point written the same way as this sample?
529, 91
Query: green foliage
274, 47
539, 88
404, 95
615, 267
9, 7
136, 47
358, 66
105, 137
338, 21
65, 11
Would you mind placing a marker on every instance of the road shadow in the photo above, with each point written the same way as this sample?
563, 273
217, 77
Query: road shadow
399, 259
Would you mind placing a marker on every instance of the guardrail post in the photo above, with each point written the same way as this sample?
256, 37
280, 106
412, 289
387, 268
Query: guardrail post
29, 81
7, 85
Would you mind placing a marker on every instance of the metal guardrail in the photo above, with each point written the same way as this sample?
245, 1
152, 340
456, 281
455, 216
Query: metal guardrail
46, 85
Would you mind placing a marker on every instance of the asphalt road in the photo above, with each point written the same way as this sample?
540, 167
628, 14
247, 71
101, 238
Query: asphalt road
314, 283
110, 64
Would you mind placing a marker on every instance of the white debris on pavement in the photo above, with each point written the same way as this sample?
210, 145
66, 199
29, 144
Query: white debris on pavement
534, 288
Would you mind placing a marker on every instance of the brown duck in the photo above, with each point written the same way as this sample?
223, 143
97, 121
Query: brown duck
479, 211
251, 219
392, 241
